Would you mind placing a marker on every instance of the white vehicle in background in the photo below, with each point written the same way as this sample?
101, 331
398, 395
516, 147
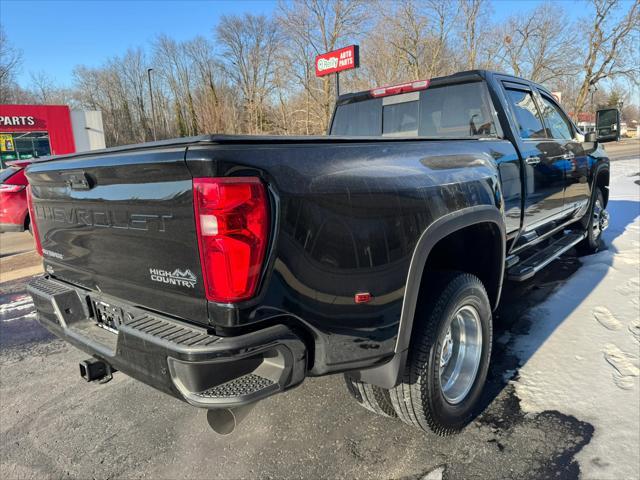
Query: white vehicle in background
623, 129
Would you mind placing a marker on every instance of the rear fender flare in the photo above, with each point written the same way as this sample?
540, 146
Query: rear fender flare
387, 375
584, 217
602, 169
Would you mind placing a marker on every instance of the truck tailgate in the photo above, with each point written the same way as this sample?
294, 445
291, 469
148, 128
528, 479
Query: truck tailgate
123, 224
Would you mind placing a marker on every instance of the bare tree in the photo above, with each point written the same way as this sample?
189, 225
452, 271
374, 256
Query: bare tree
174, 67
631, 113
249, 44
612, 46
119, 90
132, 73
443, 17
472, 15
409, 29
44, 90
410, 40
257, 74
42, 86
10, 62
313, 27
214, 102
535, 46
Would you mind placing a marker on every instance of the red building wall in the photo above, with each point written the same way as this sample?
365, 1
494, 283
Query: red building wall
54, 119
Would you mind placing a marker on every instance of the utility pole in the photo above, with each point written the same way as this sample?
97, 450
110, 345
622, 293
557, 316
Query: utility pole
593, 89
153, 109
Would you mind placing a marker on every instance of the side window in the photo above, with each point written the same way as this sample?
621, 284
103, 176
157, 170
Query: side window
527, 115
557, 124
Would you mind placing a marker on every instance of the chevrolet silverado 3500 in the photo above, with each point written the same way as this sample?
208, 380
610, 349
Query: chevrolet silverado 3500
225, 269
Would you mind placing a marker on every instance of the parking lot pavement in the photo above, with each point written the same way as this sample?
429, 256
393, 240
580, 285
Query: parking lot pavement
625, 149
17, 257
13, 243
551, 352
53, 424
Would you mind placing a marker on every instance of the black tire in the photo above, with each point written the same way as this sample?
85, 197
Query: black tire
419, 399
373, 398
591, 243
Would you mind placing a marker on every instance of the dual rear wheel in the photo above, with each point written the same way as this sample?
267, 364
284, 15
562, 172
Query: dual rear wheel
449, 354
597, 222
447, 362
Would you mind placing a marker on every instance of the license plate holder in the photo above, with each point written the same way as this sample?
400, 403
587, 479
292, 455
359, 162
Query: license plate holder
107, 316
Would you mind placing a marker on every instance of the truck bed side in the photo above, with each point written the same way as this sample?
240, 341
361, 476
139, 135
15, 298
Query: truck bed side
349, 217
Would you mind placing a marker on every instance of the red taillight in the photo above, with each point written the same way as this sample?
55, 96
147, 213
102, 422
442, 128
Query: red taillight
402, 88
32, 217
232, 224
11, 188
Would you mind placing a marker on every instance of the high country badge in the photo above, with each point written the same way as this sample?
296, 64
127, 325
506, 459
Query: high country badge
181, 278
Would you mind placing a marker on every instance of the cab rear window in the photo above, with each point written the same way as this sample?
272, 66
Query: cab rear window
400, 115
358, 119
449, 111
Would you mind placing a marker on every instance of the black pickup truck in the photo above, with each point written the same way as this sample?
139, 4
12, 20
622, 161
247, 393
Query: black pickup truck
225, 269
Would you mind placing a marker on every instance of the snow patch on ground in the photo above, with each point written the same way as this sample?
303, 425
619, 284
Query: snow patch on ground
18, 308
435, 474
582, 354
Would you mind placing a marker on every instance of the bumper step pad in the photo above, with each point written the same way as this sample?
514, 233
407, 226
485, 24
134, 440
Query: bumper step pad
245, 385
169, 331
47, 287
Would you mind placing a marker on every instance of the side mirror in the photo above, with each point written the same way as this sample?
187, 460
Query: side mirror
608, 124
590, 137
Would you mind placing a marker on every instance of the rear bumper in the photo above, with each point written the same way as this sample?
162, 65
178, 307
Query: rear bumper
11, 227
175, 357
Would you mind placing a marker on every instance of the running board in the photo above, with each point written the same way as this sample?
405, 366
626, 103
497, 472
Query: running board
532, 265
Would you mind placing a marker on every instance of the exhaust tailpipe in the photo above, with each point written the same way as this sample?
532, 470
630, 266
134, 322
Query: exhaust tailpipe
225, 420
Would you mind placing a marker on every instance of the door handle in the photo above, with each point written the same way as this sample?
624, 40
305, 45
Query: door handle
532, 160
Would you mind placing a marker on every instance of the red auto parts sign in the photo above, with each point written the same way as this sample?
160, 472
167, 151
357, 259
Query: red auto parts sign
332, 62
6, 121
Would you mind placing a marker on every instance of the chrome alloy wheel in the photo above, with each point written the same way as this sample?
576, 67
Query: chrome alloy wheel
600, 220
460, 354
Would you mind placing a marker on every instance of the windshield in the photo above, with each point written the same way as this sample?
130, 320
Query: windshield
449, 111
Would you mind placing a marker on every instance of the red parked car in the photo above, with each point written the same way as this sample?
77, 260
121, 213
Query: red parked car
14, 215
